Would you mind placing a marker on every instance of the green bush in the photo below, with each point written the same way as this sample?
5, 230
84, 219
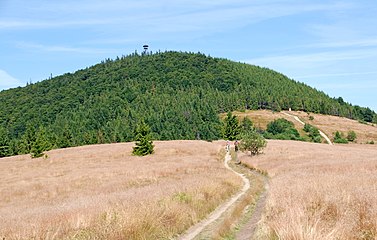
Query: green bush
313, 133
282, 129
351, 136
338, 138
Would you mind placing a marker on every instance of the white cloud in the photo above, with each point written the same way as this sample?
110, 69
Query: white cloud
167, 15
313, 60
67, 49
7, 81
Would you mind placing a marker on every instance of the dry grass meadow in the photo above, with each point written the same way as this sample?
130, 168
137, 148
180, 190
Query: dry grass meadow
328, 124
318, 191
102, 192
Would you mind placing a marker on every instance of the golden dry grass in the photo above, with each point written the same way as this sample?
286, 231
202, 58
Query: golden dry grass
102, 192
318, 191
330, 124
261, 118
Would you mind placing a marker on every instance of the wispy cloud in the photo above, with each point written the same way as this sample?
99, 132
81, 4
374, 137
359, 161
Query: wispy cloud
165, 15
67, 49
314, 59
7, 81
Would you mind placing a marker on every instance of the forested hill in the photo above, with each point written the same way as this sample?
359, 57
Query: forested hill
179, 95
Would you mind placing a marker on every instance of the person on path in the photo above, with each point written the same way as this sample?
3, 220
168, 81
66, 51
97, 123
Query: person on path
227, 146
236, 146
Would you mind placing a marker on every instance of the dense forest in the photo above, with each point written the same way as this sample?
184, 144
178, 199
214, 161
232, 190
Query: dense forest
179, 95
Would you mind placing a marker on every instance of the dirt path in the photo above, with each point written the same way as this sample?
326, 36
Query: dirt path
195, 230
248, 230
320, 132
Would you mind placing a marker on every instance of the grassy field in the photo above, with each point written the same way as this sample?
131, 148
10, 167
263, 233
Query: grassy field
318, 191
102, 192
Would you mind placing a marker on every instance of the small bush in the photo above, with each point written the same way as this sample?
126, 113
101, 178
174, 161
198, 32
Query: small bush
311, 118
313, 133
282, 129
351, 136
338, 138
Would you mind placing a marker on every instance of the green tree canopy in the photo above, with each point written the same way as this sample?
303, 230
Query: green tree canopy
252, 141
4, 142
246, 124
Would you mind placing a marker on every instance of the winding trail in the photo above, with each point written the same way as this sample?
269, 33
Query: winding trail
320, 132
195, 230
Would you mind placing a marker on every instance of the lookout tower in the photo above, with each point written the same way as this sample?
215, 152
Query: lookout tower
145, 46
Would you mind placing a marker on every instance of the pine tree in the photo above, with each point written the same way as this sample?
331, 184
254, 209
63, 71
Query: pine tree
40, 144
231, 129
27, 140
144, 144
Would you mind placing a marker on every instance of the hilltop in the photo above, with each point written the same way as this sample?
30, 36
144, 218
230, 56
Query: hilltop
179, 95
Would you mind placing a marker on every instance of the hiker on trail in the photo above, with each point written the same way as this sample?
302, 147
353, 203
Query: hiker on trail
236, 145
227, 146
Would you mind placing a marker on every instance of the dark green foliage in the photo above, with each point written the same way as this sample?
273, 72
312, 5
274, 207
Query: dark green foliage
179, 94
246, 124
351, 136
144, 145
313, 133
282, 129
231, 128
311, 118
338, 138
27, 139
4, 142
40, 144
252, 141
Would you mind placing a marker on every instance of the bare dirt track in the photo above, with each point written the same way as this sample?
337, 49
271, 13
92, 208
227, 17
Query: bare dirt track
303, 123
102, 192
195, 230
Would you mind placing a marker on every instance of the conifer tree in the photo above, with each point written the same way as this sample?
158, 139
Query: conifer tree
144, 144
27, 139
231, 129
40, 144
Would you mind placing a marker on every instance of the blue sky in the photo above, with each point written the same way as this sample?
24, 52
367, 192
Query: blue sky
330, 45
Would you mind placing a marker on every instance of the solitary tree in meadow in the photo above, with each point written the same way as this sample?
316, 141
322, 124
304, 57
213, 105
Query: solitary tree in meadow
144, 144
231, 128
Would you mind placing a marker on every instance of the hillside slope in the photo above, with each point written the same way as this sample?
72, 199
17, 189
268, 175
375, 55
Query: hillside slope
178, 94
328, 124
